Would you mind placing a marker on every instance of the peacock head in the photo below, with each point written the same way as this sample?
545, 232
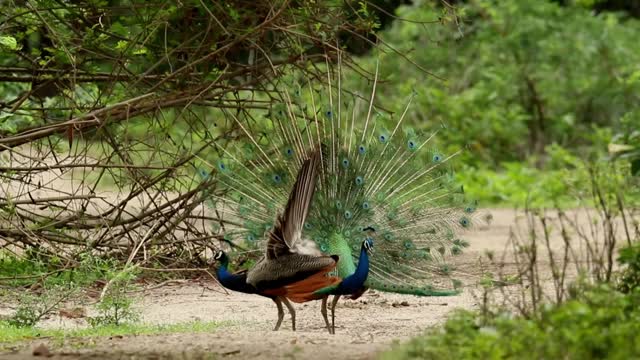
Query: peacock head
221, 257
367, 244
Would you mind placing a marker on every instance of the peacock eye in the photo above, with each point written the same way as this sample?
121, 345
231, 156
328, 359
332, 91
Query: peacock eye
359, 180
362, 149
382, 138
437, 158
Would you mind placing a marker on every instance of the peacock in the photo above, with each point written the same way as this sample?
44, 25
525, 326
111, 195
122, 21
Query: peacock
375, 172
238, 282
282, 268
352, 285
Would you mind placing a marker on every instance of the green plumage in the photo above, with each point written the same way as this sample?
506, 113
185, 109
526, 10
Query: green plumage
375, 172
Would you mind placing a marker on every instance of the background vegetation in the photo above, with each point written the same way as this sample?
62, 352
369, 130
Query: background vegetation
126, 97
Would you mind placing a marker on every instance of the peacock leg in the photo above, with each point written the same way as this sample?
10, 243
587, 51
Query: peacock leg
292, 311
323, 310
280, 312
333, 313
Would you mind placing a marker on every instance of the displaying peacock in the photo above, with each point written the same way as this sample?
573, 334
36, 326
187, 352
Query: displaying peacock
281, 268
375, 172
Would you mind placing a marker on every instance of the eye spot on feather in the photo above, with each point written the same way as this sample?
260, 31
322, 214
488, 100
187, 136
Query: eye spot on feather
437, 158
329, 114
338, 205
408, 245
388, 236
348, 214
308, 226
289, 152
365, 205
411, 145
359, 180
382, 138
277, 179
222, 166
362, 149
345, 163
251, 238
464, 221
324, 247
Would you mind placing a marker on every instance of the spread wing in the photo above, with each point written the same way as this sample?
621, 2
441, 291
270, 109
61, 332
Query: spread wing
288, 228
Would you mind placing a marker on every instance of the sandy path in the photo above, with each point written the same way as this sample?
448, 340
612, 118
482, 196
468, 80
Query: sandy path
364, 327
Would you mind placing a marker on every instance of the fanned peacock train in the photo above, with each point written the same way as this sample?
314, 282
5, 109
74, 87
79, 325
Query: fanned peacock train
376, 172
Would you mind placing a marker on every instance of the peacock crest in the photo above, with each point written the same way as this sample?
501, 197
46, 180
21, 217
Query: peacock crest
376, 172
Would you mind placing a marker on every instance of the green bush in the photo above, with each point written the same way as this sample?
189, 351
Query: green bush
564, 182
515, 76
600, 324
630, 275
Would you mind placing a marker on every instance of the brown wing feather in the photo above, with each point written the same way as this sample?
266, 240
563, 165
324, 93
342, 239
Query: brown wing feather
286, 269
303, 291
288, 228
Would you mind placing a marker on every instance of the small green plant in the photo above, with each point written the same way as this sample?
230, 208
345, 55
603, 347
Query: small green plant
32, 308
116, 306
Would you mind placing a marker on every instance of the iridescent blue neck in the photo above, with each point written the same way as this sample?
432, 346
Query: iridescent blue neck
354, 282
235, 282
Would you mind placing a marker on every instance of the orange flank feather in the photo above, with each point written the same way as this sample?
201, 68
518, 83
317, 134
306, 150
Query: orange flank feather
303, 291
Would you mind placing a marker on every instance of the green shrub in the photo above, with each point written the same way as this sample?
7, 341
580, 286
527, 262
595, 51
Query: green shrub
564, 181
629, 258
116, 305
513, 76
600, 324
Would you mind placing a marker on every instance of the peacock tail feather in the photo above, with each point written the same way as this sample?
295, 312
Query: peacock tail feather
376, 171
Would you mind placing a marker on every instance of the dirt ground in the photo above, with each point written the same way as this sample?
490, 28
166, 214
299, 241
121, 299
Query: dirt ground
364, 327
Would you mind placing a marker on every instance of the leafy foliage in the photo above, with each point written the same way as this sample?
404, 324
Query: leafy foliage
629, 258
626, 144
518, 76
565, 181
601, 324
24, 270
